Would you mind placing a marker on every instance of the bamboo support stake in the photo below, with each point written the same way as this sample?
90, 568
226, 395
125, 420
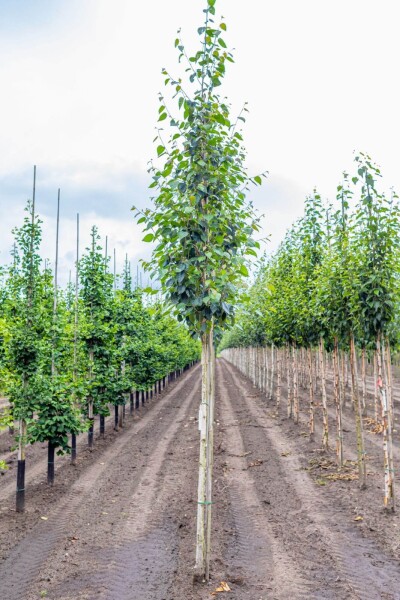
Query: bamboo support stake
76, 318
51, 447
22, 428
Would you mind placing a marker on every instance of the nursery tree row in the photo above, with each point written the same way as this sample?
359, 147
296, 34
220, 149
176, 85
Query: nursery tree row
66, 355
327, 304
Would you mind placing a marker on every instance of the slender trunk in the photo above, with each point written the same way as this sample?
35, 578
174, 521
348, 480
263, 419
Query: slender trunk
388, 363
210, 455
364, 383
339, 429
271, 384
295, 386
204, 496
279, 381
288, 383
362, 468
342, 382
389, 498
311, 391
325, 434
376, 392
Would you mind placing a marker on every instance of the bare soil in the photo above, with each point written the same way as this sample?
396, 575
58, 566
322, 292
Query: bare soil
120, 525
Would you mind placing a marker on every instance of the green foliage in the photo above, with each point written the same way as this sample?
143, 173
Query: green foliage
335, 274
97, 345
201, 223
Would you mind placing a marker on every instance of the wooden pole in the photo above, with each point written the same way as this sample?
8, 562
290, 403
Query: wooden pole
51, 447
76, 318
20, 495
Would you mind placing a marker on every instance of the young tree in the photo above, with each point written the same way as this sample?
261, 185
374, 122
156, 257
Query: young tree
202, 224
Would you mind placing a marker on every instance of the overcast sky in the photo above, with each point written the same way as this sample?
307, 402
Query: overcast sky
79, 84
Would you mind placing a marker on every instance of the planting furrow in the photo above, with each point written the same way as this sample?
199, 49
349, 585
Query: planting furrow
25, 569
142, 550
357, 560
256, 554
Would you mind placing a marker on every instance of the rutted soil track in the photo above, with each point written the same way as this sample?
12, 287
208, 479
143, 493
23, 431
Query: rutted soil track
124, 528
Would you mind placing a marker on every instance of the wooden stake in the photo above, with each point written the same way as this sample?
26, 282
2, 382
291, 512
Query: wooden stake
76, 317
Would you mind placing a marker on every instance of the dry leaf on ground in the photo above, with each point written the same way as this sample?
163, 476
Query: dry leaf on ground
223, 587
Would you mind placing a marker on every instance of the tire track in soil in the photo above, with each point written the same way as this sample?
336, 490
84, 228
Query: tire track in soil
255, 555
26, 561
370, 573
143, 552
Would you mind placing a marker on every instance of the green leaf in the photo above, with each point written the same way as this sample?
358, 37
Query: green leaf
149, 237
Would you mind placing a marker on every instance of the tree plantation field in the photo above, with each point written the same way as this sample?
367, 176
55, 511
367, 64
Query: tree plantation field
210, 435
120, 524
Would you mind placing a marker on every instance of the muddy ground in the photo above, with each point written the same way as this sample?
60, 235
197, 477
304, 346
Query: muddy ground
120, 525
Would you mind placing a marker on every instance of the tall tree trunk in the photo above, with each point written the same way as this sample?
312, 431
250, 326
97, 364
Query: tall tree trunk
204, 496
339, 429
389, 498
362, 467
342, 380
271, 383
376, 393
311, 392
279, 378
364, 383
325, 433
388, 363
288, 383
295, 385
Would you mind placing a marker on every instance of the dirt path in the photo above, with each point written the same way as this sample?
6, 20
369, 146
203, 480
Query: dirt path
121, 526
319, 533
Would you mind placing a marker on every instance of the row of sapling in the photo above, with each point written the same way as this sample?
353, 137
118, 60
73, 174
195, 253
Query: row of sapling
201, 222
328, 308
66, 355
